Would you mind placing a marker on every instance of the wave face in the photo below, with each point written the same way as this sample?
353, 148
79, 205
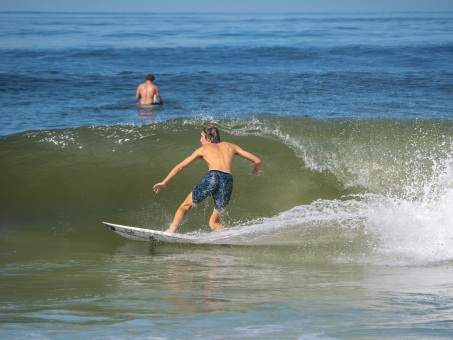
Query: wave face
366, 190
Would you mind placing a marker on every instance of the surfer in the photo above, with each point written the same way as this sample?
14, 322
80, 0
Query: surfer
218, 182
148, 92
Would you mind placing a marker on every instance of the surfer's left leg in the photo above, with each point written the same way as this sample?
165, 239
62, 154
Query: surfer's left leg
214, 221
179, 215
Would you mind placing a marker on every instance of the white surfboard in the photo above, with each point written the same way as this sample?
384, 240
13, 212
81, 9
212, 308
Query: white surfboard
142, 234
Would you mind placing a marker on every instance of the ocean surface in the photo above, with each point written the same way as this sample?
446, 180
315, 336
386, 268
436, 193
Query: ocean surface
348, 233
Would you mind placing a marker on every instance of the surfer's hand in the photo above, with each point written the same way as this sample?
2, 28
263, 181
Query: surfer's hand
256, 172
157, 187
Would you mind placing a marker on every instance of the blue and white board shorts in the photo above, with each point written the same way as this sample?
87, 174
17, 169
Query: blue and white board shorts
217, 184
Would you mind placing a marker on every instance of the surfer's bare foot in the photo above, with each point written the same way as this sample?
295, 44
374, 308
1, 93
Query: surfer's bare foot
172, 229
216, 227
214, 220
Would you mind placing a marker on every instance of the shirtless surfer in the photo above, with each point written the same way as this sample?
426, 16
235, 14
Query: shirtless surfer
147, 91
217, 183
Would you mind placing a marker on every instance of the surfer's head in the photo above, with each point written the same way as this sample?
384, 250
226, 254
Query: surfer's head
150, 77
212, 134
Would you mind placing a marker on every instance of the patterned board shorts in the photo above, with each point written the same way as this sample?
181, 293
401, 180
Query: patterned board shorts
217, 184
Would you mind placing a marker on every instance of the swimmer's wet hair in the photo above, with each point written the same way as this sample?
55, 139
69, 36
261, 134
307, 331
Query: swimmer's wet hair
212, 134
150, 77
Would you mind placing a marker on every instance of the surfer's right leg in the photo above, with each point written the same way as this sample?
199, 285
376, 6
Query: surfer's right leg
179, 215
214, 221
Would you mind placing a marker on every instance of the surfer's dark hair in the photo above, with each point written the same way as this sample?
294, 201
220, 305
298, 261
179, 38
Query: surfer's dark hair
150, 77
212, 134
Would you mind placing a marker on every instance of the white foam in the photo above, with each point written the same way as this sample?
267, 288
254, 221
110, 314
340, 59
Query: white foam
392, 231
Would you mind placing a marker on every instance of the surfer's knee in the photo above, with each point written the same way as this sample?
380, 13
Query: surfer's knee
187, 204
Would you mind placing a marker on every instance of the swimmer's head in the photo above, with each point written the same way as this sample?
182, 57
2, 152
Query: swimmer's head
150, 77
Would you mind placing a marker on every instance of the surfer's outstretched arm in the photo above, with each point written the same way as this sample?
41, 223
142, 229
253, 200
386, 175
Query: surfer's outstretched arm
249, 156
176, 170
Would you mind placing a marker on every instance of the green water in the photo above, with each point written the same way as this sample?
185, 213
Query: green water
113, 288
347, 235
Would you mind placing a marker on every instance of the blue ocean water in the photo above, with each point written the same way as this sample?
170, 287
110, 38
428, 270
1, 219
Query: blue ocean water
348, 234
70, 69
